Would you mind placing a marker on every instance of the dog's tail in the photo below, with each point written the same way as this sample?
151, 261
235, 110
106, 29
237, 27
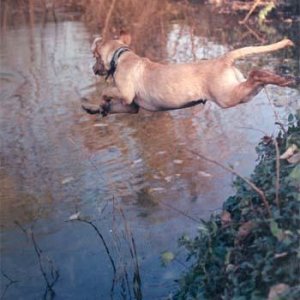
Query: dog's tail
231, 56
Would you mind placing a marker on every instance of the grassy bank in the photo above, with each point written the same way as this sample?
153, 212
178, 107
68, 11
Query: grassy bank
251, 249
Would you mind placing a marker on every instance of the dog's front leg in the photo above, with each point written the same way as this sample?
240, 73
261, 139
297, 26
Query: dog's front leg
94, 109
124, 93
114, 106
112, 102
117, 102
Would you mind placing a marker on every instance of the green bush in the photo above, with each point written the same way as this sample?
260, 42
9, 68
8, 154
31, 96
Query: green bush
248, 251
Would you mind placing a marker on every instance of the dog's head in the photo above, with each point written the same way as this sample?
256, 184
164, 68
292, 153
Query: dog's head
103, 51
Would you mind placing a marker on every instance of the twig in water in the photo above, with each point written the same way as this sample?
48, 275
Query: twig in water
7, 286
106, 249
22, 228
276, 116
125, 285
180, 211
102, 239
137, 282
254, 129
278, 121
251, 184
39, 253
54, 273
277, 184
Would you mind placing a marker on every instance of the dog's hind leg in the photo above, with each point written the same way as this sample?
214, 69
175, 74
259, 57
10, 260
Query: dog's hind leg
245, 91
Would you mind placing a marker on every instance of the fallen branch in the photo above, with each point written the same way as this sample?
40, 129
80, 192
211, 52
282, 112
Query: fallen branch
231, 170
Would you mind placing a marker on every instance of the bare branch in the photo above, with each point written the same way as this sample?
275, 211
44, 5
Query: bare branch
256, 3
277, 184
107, 19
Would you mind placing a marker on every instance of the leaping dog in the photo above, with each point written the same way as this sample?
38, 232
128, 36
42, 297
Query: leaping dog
142, 83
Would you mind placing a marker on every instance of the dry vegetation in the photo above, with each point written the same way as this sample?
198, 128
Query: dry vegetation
149, 21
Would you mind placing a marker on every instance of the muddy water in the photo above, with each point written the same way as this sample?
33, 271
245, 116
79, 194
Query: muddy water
133, 176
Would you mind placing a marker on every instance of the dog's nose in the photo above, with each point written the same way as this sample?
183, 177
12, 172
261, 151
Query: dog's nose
98, 70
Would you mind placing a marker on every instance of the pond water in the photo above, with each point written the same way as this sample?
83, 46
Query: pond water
132, 176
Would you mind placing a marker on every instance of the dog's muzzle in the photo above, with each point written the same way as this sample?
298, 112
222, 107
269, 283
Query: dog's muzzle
99, 68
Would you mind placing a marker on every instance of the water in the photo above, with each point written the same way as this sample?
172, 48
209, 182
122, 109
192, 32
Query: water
133, 176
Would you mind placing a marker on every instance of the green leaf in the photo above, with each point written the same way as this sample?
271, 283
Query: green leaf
166, 257
295, 174
276, 231
265, 11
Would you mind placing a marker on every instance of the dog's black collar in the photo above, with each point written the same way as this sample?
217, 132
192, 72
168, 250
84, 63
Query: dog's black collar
114, 61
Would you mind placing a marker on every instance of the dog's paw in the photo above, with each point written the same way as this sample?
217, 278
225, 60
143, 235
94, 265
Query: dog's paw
290, 81
91, 109
288, 43
105, 109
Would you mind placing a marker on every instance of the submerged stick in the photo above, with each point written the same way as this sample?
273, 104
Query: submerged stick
39, 253
251, 184
102, 239
54, 272
137, 282
7, 286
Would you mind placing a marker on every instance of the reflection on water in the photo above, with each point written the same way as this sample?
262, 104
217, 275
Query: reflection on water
185, 47
56, 161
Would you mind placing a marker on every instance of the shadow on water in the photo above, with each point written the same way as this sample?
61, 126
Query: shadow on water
132, 177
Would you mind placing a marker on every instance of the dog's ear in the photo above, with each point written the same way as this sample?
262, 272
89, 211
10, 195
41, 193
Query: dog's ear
94, 45
125, 37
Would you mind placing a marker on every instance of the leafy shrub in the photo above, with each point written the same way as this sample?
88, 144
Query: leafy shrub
248, 251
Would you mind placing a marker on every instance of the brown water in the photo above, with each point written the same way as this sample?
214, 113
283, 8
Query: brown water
56, 161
